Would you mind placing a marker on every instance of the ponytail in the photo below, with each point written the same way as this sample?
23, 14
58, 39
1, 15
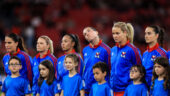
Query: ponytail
131, 32
49, 42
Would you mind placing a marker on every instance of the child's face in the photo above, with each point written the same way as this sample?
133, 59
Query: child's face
99, 75
44, 71
14, 66
70, 64
135, 74
159, 70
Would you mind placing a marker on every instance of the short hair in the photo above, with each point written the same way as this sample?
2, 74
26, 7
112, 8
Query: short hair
16, 58
102, 66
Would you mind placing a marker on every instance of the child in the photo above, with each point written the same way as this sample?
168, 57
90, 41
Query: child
15, 85
47, 84
161, 78
72, 83
139, 85
101, 88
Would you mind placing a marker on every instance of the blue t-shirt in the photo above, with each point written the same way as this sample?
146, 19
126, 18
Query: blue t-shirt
136, 90
158, 89
148, 60
101, 90
122, 59
18, 86
72, 86
48, 90
91, 56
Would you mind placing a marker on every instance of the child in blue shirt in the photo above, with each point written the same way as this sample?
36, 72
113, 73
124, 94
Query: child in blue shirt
47, 84
72, 83
15, 85
139, 85
101, 88
161, 80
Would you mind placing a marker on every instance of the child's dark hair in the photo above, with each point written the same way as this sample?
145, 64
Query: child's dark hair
18, 39
160, 31
75, 39
75, 58
163, 61
142, 71
16, 58
102, 66
51, 75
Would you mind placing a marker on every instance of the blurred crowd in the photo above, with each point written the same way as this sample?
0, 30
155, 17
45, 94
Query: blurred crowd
33, 18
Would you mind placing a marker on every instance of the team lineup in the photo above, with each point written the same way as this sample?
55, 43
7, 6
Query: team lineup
97, 70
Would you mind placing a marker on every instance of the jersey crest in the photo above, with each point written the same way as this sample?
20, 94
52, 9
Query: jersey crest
153, 57
97, 55
123, 54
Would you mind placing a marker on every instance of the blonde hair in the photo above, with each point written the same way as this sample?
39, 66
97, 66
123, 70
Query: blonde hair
48, 41
126, 27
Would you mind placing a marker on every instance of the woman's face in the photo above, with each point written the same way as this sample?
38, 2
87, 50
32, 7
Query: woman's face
90, 34
42, 45
118, 35
67, 44
150, 35
10, 45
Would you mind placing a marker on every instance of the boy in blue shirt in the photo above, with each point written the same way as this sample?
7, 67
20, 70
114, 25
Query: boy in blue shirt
15, 85
101, 88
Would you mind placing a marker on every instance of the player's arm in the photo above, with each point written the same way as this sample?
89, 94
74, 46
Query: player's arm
82, 93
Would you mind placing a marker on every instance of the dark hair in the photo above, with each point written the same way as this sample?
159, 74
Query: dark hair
75, 39
14, 57
51, 74
163, 61
142, 71
74, 57
18, 39
102, 66
160, 31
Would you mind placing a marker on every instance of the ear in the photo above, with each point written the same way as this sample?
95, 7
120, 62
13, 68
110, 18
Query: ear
72, 44
157, 36
20, 67
105, 73
16, 44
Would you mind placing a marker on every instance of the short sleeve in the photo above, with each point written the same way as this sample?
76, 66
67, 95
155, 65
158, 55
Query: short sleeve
27, 87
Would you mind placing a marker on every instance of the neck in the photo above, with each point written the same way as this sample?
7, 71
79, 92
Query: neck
123, 42
72, 73
152, 44
161, 77
69, 51
101, 82
13, 75
43, 53
137, 82
95, 41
